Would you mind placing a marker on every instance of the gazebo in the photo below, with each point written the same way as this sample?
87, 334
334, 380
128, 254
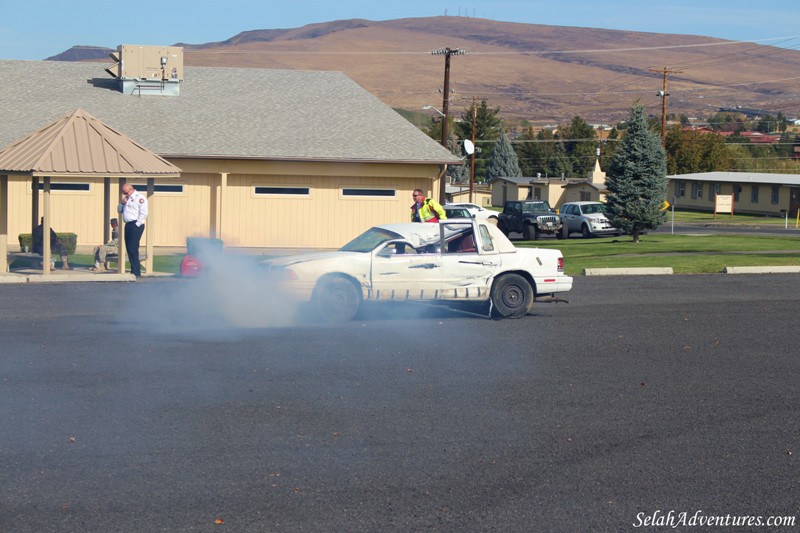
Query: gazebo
78, 146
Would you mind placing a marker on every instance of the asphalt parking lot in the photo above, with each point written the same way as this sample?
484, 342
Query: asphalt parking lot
177, 406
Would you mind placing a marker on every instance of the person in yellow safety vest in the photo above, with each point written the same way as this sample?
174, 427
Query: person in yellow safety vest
426, 209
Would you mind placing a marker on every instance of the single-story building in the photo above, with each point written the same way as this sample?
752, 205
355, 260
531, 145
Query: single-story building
460, 194
753, 192
555, 191
268, 158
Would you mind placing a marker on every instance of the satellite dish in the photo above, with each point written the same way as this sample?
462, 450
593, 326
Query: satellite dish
469, 148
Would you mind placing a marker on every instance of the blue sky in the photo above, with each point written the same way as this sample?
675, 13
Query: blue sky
31, 29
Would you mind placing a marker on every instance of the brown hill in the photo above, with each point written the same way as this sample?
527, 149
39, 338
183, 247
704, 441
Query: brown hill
543, 74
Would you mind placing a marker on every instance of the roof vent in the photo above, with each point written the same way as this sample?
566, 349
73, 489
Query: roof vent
148, 70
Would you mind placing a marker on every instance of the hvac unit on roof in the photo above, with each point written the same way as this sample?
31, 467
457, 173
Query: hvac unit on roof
148, 70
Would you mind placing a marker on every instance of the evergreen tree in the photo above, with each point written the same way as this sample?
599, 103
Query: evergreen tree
487, 130
503, 162
580, 141
637, 178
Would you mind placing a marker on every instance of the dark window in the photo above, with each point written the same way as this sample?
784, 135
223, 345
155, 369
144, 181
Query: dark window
697, 189
158, 188
736, 190
715, 189
680, 188
64, 186
296, 191
776, 194
754, 194
369, 192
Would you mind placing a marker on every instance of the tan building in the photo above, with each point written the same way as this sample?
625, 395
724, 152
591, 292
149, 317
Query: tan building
268, 158
553, 190
755, 193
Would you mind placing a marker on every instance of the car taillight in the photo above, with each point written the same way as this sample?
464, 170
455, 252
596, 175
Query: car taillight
561, 264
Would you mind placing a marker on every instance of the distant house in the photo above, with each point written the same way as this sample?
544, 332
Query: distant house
269, 158
754, 137
756, 193
554, 191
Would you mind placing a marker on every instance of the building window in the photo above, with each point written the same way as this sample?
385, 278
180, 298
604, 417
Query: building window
586, 196
537, 193
680, 189
158, 188
384, 193
72, 187
283, 191
776, 194
697, 190
736, 190
714, 190
754, 194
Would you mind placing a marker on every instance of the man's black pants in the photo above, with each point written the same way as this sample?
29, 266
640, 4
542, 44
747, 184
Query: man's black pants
133, 235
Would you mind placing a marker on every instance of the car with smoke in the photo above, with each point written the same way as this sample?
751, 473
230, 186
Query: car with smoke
588, 218
456, 260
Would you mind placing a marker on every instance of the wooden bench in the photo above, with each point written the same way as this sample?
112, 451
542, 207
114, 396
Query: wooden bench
35, 259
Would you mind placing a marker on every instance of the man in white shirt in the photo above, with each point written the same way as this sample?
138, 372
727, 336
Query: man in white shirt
133, 208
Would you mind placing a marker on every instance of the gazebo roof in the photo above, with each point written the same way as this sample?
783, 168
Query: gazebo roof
80, 145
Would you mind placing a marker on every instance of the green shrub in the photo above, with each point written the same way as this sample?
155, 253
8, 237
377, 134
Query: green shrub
69, 240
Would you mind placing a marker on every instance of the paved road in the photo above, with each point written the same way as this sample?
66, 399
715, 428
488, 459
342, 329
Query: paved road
641, 395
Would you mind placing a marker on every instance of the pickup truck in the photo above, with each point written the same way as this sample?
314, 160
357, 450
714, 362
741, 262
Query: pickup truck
531, 218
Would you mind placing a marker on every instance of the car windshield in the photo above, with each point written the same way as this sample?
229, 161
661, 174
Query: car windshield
590, 209
457, 212
367, 241
534, 207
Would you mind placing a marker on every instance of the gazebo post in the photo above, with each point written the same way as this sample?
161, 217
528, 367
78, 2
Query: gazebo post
148, 262
3, 223
46, 228
34, 202
106, 209
122, 252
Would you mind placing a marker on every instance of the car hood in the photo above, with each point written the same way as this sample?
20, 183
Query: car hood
596, 216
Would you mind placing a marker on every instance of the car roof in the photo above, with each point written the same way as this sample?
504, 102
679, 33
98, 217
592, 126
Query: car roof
581, 203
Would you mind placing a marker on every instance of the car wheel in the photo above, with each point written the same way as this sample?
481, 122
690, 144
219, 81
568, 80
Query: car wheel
536, 233
526, 232
512, 296
585, 232
563, 233
336, 299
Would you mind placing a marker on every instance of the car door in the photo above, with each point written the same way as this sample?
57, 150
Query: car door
468, 263
568, 216
399, 272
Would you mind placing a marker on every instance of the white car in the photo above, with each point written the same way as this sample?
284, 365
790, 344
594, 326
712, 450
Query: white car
458, 260
476, 210
588, 218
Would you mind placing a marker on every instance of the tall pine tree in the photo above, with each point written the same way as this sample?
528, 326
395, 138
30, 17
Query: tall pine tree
503, 162
637, 178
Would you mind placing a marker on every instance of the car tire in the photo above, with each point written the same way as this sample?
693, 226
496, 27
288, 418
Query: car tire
585, 232
536, 233
563, 233
526, 232
336, 299
512, 296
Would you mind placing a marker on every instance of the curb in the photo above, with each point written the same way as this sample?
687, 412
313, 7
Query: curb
644, 271
762, 270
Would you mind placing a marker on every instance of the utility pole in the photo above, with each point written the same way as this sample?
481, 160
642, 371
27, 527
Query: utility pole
446, 52
474, 149
663, 94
